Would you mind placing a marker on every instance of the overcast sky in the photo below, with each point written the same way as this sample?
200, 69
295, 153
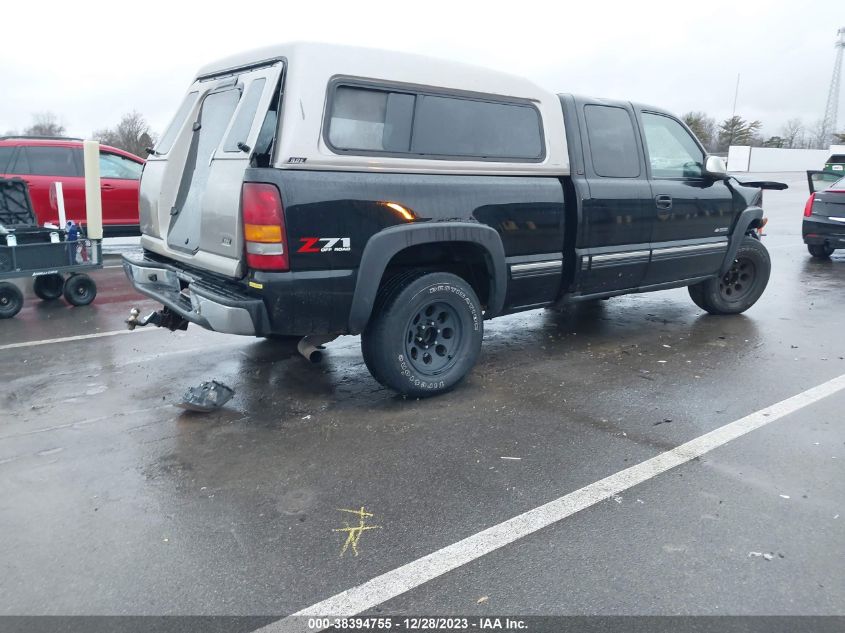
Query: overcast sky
89, 62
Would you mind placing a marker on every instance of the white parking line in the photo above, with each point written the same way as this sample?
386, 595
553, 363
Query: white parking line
413, 574
65, 339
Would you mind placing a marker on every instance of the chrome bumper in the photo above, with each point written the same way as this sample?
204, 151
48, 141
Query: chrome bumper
200, 299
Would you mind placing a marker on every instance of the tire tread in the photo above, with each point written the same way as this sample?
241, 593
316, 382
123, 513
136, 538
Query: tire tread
706, 294
377, 354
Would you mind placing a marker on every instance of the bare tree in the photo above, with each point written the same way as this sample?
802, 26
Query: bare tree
45, 124
703, 126
820, 135
132, 134
792, 133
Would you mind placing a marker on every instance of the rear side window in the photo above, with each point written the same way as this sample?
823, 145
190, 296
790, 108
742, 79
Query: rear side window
460, 127
384, 121
5, 156
246, 114
372, 120
613, 144
46, 161
176, 124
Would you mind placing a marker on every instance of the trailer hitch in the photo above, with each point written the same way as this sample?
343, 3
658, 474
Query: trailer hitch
163, 318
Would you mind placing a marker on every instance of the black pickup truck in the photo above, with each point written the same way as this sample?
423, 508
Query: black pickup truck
310, 190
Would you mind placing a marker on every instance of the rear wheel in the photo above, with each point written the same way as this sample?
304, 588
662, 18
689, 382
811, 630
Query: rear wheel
80, 290
48, 287
820, 251
740, 287
425, 333
11, 300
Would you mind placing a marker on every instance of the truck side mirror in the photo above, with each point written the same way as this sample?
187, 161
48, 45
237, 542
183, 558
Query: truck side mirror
715, 167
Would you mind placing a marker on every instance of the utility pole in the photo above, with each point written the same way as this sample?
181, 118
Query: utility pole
733, 112
832, 108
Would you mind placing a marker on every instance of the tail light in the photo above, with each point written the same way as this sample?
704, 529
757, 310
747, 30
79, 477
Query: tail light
264, 227
808, 208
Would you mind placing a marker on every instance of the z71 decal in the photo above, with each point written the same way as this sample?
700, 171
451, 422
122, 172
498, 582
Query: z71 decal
324, 245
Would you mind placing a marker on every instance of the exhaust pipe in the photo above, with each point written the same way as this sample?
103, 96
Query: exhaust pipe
312, 347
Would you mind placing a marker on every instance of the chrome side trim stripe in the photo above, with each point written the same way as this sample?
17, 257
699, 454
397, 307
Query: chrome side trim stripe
643, 256
608, 260
612, 257
537, 268
692, 249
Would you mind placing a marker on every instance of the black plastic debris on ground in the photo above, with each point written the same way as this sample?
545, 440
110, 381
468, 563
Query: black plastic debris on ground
206, 397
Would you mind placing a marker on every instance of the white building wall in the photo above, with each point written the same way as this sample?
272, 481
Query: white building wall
774, 159
743, 158
738, 157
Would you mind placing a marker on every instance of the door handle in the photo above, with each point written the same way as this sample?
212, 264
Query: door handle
107, 187
663, 201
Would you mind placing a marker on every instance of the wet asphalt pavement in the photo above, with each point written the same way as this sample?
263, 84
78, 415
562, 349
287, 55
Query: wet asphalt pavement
113, 501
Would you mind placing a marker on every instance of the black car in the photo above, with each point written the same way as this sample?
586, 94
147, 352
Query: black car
824, 214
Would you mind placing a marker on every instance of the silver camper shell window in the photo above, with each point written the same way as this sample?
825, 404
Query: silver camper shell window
396, 120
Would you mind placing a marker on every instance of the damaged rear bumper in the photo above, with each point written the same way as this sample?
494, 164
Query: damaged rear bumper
212, 302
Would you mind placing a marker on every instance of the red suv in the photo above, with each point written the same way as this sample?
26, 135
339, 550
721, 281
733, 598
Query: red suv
41, 161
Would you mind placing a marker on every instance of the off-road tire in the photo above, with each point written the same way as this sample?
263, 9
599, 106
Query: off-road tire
11, 300
80, 290
48, 287
424, 334
820, 251
739, 288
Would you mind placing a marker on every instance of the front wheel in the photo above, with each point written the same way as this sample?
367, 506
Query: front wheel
740, 287
820, 251
425, 333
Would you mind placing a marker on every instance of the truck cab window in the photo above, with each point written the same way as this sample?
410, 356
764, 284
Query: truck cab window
672, 152
613, 145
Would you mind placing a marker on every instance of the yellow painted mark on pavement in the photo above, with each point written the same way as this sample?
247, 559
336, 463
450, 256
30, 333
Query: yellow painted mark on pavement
353, 533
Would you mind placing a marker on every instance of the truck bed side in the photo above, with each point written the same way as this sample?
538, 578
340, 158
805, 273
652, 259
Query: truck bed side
525, 212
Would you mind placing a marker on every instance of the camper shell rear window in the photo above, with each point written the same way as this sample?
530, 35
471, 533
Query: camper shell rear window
166, 142
410, 122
